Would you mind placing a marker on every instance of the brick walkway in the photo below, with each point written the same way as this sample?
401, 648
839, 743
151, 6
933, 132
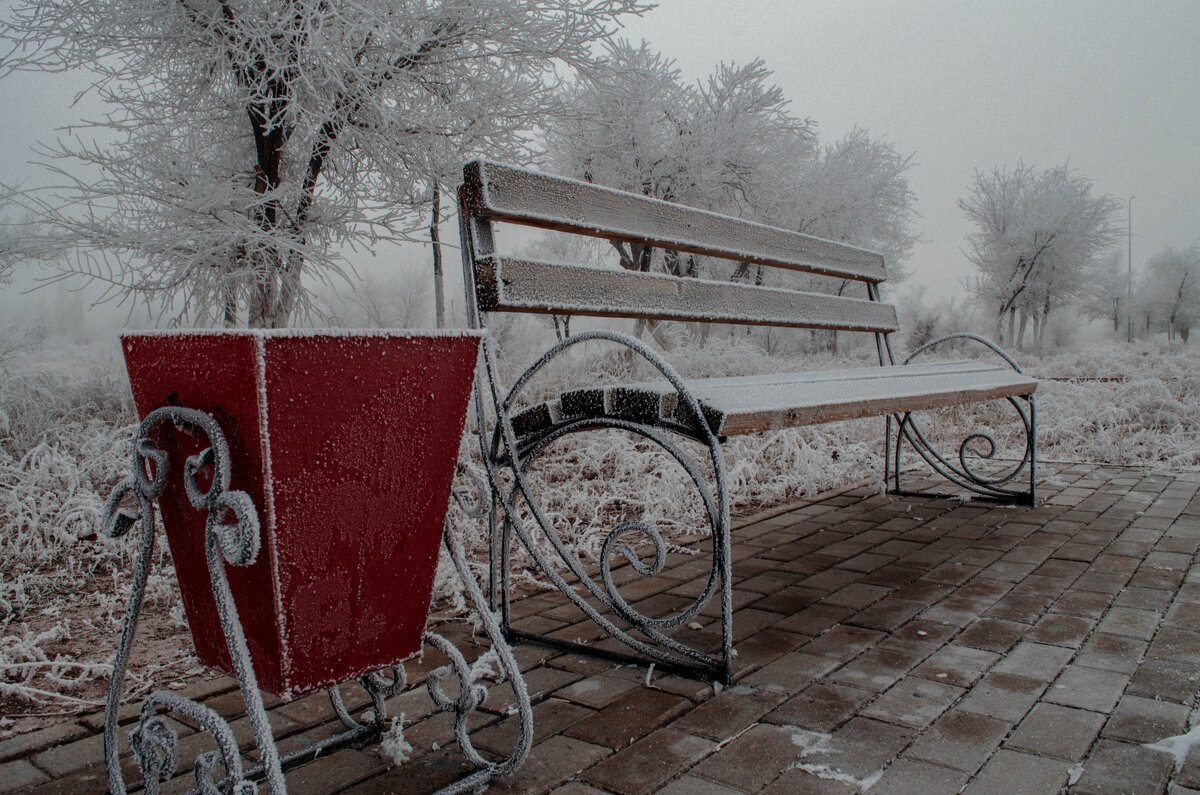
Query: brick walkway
902, 644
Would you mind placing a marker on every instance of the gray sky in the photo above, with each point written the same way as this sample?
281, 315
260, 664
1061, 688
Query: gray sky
1113, 87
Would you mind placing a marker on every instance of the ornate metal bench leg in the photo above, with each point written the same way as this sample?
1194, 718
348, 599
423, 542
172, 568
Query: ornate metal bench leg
977, 446
1032, 444
597, 595
155, 744
889, 466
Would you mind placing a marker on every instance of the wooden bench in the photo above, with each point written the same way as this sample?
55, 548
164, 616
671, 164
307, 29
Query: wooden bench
708, 410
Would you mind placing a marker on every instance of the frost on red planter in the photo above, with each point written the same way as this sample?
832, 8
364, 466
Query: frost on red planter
347, 443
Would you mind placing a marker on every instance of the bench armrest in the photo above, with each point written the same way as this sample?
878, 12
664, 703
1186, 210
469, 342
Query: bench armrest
963, 335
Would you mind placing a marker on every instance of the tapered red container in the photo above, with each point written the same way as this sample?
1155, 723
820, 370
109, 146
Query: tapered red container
347, 443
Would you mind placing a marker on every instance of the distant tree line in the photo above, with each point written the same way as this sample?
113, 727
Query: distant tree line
1041, 242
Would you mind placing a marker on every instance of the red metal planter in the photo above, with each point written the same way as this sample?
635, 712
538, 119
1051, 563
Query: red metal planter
347, 443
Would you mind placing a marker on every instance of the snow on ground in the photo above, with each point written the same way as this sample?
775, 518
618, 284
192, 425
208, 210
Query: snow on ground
66, 425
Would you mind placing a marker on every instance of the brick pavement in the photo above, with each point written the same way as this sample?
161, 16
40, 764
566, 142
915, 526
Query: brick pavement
918, 644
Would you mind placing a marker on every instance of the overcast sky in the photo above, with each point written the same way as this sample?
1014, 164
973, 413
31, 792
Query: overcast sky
1113, 87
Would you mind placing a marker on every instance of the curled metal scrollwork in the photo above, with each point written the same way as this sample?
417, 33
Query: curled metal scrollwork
220, 772
522, 513
378, 688
977, 447
237, 544
471, 694
476, 501
154, 746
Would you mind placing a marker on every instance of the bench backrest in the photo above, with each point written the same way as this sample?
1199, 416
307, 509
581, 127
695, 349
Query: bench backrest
494, 192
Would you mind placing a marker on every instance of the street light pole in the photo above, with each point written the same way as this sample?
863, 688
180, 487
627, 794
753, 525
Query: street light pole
1129, 282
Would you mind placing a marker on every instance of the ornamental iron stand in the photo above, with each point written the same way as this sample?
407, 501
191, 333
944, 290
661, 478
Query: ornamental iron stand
232, 536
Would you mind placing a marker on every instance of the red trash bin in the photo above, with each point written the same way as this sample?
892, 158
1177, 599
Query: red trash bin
347, 443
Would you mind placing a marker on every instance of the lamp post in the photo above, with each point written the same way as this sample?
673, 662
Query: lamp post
1129, 281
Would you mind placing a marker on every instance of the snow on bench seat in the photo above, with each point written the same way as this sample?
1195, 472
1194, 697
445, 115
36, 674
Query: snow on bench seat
749, 404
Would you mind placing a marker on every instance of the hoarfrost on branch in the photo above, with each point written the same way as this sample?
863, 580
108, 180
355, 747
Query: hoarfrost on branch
246, 142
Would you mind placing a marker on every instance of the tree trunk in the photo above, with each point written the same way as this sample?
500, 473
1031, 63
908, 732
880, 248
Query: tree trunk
229, 304
1012, 319
289, 289
1021, 330
439, 295
266, 309
678, 265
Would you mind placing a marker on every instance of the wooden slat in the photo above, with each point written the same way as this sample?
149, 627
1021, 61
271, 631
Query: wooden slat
750, 404
523, 286
521, 196
760, 404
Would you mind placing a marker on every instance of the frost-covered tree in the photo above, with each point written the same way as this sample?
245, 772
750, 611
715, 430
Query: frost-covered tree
1035, 234
857, 192
8, 246
619, 124
1106, 289
720, 145
248, 141
622, 125
745, 147
728, 144
1172, 290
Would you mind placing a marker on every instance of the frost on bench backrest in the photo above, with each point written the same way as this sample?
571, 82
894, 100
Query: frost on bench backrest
494, 192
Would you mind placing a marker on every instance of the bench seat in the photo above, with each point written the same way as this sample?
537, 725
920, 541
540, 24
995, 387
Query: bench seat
750, 404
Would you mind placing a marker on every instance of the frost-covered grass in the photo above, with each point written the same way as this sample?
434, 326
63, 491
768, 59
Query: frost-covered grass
65, 440
1150, 418
66, 425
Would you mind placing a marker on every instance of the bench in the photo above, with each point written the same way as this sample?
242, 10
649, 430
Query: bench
706, 410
